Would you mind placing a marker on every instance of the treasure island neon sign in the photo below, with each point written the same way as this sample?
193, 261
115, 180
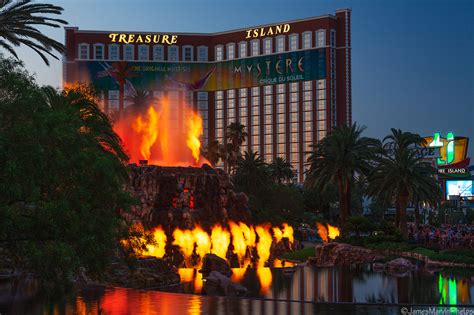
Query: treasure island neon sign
143, 38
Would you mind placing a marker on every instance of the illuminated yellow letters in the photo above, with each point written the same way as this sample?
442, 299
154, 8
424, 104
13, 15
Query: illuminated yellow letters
143, 38
112, 37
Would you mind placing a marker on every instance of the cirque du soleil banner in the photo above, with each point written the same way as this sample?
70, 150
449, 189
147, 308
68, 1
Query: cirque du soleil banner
211, 76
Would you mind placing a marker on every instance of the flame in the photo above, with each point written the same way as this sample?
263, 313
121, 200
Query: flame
249, 235
159, 238
327, 232
278, 234
147, 128
264, 275
185, 240
322, 231
162, 135
196, 243
186, 274
194, 123
278, 263
198, 282
238, 274
220, 239
238, 240
202, 240
288, 233
333, 232
264, 243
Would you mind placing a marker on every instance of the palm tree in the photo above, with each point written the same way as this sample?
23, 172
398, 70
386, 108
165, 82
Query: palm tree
234, 138
402, 174
251, 172
212, 152
398, 142
18, 21
140, 101
338, 159
236, 134
281, 170
120, 71
230, 154
91, 120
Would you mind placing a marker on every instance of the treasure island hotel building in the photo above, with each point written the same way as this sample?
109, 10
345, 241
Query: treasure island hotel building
289, 83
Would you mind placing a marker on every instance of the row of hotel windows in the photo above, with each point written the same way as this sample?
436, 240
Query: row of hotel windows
202, 51
266, 100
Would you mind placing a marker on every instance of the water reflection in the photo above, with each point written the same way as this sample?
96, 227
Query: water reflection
356, 285
280, 291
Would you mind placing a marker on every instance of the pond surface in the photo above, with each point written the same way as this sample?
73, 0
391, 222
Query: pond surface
343, 284
273, 291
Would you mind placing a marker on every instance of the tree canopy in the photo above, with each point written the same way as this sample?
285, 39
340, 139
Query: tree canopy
61, 185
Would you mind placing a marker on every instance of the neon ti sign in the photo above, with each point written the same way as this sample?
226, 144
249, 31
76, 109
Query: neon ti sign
448, 157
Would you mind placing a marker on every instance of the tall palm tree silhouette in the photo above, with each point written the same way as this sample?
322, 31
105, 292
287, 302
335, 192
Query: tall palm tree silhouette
17, 26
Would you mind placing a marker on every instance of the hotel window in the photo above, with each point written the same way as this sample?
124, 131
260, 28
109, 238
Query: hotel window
113, 100
267, 46
243, 105
307, 40
242, 49
255, 47
320, 38
231, 110
173, 53
293, 42
231, 51
83, 51
143, 52
202, 53
128, 52
99, 51
158, 53
203, 111
219, 116
321, 115
280, 43
114, 52
332, 38
219, 53
188, 53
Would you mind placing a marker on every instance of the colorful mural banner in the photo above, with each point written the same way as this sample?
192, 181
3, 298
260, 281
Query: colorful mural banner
194, 76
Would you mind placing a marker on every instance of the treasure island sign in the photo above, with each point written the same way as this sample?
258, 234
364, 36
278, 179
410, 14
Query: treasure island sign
453, 160
143, 38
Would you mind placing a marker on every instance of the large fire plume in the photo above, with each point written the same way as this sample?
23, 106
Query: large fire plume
327, 232
163, 134
245, 241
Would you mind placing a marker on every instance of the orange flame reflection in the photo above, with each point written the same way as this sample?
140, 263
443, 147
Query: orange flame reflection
264, 275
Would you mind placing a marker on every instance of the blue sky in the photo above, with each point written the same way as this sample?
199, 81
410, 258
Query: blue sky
412, 60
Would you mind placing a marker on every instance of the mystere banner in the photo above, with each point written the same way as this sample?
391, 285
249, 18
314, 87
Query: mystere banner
211, 76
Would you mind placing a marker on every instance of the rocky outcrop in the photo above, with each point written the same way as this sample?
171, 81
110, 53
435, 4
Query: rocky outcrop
181, 196
332, 254
218, 284
212, 263
399, 265
146, 273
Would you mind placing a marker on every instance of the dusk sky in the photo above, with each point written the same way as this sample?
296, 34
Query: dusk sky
412, 61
